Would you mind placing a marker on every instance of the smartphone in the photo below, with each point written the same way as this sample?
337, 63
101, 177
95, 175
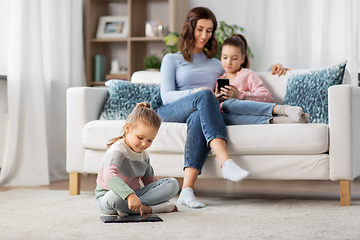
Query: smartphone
222, 82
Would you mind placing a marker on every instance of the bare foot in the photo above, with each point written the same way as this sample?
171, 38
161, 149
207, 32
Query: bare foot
147, 210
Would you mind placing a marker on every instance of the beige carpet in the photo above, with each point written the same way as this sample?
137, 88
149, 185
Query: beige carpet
50, 214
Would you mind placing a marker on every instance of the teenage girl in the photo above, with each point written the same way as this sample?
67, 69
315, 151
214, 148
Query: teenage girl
126, 162
246, 85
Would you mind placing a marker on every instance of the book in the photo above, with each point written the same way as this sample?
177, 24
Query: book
100, 68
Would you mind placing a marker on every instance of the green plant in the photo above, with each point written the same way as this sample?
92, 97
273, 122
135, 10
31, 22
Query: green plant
224, 31
152, 61
171, 42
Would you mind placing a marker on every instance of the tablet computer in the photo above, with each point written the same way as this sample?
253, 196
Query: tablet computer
130, 218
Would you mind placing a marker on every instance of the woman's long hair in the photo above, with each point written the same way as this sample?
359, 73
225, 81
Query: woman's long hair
142, 114
187, 39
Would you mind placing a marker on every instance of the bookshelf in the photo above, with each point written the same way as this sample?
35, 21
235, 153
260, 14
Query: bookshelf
136, 44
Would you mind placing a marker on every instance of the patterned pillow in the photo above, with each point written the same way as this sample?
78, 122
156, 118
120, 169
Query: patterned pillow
123, 97
309, 90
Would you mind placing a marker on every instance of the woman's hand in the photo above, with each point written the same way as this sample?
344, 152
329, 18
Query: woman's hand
200, 88
134, 203
278, 69
228, 92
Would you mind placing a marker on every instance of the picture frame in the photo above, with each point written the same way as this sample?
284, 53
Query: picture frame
113, 27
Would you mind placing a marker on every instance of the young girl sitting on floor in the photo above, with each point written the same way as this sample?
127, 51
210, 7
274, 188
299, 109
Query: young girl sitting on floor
246, 85
126, 162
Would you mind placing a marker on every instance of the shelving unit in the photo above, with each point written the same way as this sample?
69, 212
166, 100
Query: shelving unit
136, 43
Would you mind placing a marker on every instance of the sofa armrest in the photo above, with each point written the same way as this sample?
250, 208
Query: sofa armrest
344, 114
84, 104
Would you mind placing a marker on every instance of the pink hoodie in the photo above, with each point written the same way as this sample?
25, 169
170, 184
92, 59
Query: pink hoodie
250, 86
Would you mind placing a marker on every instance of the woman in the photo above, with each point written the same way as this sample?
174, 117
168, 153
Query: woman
188, 79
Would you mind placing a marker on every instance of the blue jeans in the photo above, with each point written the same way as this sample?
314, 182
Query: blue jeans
242, 112
201, 112
152, 194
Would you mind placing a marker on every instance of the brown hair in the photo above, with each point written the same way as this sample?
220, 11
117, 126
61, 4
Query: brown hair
187, 40
238, 40
142, 113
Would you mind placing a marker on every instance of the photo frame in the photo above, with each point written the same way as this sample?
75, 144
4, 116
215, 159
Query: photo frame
113, 27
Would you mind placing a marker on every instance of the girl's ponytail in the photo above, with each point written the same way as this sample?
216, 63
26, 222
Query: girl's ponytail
246, 63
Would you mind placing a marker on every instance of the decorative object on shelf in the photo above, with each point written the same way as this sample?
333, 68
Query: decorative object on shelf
114, 67
113, 27
152, 62
117, 72
224, 31
171, 42
160, 27
100, 68
151, 29
154, 29
160, 30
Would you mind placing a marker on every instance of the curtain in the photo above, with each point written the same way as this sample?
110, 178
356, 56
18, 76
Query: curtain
304, 34
45, 57
297, 33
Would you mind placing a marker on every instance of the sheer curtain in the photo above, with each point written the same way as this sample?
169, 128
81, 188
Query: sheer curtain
297, 33
45, 57
306, 33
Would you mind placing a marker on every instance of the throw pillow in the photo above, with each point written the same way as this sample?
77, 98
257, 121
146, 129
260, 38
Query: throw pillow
309, 90
124, 96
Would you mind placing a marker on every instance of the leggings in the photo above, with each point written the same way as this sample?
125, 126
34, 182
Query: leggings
154, 193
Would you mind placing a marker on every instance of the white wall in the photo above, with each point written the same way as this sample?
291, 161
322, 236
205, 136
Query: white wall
3, 37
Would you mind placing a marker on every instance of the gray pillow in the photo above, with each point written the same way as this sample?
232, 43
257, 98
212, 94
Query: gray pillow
124, 96
309, 90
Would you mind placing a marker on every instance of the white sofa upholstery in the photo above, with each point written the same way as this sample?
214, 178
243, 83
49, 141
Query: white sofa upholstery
271, 151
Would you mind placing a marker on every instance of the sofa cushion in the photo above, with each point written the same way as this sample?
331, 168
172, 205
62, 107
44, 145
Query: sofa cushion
170, 138
242, 139
146, 77
309, 90
275, 84
123, 97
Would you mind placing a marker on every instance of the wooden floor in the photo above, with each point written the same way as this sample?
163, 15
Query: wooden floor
244, 189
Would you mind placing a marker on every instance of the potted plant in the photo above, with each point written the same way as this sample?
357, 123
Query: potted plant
152, 62
171, 42
224, 31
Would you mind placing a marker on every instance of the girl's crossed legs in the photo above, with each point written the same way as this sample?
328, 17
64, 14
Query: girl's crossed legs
153, 195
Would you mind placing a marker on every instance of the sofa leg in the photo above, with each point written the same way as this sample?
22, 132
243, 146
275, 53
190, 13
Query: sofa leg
345, 193
74, 183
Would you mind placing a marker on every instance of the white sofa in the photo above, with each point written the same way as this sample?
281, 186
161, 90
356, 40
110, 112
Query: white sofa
312, 151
